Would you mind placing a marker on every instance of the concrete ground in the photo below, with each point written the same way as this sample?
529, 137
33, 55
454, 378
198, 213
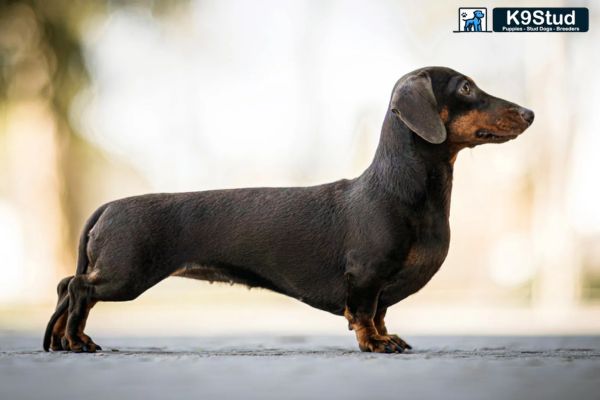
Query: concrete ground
300, 367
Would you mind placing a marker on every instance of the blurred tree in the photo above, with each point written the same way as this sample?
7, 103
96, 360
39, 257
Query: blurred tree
42, 69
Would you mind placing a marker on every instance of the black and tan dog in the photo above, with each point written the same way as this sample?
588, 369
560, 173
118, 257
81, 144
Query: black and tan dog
351, 247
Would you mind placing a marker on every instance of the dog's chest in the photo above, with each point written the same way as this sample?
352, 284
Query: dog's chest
424, 259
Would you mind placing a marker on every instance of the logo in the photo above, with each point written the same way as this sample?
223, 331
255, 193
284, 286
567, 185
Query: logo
472, 19
524, 19
541, 19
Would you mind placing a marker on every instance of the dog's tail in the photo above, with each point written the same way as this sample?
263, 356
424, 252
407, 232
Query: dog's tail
82, 264
82, 258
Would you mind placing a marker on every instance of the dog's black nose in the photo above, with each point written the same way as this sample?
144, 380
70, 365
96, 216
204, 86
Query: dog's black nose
527, 115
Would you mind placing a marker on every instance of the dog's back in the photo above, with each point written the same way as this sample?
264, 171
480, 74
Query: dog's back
239, 235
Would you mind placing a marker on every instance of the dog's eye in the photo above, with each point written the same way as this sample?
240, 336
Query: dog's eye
466, 89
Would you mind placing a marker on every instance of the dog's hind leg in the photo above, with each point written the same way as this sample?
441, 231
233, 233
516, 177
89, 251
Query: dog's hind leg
105, 283
85, 338
58, 331
81, 300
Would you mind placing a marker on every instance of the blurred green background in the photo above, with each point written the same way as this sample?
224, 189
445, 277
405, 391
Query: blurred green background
106, 99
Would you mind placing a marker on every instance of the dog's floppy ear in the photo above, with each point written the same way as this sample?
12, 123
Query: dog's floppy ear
414, 103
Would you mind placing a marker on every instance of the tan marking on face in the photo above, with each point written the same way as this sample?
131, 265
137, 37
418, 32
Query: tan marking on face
444, 115
453, 157
463, 128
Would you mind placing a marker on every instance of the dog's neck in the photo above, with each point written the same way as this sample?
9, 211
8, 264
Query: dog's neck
408, 167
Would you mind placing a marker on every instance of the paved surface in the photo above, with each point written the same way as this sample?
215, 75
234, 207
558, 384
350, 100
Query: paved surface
304, 367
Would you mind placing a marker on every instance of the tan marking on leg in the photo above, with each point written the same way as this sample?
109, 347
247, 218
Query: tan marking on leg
93, 276
379, 322
382, 330
58, 331
92, 347
79, 308
368, 338
85, 317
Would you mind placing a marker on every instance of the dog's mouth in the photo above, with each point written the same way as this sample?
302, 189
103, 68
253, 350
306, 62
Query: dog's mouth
494, 136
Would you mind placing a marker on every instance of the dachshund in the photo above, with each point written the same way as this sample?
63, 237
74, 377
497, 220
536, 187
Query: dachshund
353, 247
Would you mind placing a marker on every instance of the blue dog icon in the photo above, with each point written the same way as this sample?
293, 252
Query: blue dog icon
474, 24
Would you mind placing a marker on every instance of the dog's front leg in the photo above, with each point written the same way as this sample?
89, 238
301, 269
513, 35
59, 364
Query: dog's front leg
364, 285
382, 330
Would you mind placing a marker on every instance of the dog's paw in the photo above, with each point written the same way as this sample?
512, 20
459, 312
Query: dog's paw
382, 344
56, 343
398, 340
80, 345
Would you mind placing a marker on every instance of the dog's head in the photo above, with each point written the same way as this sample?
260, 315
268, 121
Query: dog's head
444, 106
478, 14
